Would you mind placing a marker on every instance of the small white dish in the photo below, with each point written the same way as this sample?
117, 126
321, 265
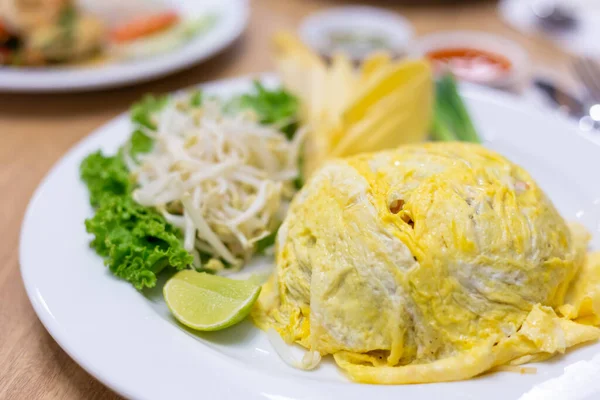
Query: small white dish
384, 29
232, 17
481, 41
131, 343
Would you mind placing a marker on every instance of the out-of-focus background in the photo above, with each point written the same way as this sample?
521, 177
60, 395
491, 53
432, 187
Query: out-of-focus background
537, 41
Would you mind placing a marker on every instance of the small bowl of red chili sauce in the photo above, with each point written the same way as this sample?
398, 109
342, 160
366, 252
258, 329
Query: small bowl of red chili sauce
476, 57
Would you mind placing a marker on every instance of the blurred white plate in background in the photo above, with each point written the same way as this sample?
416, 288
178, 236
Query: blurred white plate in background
231, 20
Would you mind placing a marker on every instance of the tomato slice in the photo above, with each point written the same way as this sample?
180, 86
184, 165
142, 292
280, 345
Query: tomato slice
144, 26
3, 30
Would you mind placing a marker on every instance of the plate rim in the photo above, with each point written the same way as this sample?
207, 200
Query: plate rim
79, 356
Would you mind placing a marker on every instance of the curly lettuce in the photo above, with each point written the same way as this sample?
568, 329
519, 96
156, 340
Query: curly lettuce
142, 112
136, 242
273, 107
105, 177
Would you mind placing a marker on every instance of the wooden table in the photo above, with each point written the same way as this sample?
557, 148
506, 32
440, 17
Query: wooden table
35, 130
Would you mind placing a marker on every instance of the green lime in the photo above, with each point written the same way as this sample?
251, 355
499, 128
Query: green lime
208, 302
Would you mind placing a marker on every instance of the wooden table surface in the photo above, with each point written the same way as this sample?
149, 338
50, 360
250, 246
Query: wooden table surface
35, 130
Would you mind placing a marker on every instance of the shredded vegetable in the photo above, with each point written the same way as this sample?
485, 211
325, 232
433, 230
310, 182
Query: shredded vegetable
216, 171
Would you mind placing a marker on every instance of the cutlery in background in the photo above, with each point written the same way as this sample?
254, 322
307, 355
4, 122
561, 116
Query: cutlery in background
587, 71
561, 98
554, 15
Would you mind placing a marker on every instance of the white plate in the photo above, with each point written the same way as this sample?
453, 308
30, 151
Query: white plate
130, 342
232, 18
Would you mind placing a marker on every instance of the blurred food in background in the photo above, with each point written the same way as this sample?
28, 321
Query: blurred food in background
116, 13
471, 64
477, 57
46, 31
42, 32
358, 32
24, 16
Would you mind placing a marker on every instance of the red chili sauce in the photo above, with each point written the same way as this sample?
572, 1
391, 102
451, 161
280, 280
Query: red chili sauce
471, 64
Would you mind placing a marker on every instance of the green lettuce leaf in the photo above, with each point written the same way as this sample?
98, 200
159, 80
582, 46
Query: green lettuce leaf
273, 107
136, 242
196, 98
105, 177
142, 112
142, 117
139, 143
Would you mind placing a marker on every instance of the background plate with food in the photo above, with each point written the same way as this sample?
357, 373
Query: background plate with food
81, 45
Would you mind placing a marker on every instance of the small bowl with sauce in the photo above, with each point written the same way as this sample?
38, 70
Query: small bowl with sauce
476, 57
357, 31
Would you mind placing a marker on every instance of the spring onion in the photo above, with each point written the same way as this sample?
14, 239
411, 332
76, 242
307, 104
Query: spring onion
451, 120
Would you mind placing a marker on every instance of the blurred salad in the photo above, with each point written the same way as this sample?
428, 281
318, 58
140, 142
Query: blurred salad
66, 31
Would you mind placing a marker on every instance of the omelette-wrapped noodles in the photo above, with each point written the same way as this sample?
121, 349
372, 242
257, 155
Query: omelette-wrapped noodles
432, 262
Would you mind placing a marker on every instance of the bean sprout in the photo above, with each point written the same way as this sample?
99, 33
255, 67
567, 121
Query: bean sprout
224, 179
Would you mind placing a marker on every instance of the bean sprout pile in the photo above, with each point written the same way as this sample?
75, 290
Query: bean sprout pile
222, 177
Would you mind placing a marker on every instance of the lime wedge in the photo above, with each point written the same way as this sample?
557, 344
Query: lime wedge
207, 302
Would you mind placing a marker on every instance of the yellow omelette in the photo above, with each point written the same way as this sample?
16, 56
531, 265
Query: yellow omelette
432, 262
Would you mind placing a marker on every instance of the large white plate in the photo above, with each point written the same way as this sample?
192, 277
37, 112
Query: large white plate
232, 18
130, 342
